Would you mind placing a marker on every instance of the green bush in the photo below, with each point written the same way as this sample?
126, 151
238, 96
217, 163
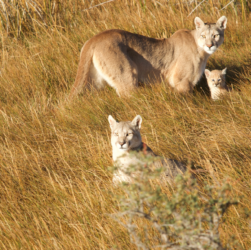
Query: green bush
185, 218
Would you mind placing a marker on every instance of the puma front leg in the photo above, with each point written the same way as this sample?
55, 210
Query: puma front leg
184, 87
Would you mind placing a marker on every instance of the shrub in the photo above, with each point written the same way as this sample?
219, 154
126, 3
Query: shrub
185, 218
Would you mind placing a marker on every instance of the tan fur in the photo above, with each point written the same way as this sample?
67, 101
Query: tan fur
121, 59
216, 81
126, 138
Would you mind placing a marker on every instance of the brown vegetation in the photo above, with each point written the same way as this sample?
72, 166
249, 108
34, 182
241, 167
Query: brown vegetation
55, 186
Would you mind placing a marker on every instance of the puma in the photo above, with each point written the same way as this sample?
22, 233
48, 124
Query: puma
216, 81
122, 59
126, 138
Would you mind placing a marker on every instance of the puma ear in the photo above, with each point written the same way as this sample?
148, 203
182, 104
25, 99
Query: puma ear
222, 23
137, 121
198, 23
224, 71
207, 73
112, 122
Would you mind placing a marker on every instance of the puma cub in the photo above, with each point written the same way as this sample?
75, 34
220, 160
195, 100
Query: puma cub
125, 138
122, 59
216, 81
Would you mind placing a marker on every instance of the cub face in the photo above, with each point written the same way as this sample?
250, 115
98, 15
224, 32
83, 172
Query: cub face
216, 78
125, 135
210, 36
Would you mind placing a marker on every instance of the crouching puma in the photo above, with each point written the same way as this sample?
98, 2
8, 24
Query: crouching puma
126, 138
216, 81
121, 59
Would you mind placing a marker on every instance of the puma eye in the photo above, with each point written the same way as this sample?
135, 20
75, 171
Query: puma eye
203, 36
212, 80
219, 79
116, 134
216, 35
129, 134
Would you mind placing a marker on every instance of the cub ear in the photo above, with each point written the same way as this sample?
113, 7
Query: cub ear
112, 122
222, 23
137, 121
224, 71
207, 73
198, 23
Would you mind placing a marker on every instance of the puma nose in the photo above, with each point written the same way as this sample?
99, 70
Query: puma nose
209, 45
121, 143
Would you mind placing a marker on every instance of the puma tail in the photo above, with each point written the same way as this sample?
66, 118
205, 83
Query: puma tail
86, 55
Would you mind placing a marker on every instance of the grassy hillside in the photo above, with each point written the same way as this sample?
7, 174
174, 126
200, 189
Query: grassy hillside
55, 186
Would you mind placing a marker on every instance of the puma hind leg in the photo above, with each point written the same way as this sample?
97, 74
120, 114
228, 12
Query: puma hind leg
113, 67
121, 74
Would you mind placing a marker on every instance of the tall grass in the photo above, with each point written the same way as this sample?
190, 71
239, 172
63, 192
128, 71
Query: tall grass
56, 190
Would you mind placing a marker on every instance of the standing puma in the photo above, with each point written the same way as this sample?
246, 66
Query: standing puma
216, 81
126, 138
122, 59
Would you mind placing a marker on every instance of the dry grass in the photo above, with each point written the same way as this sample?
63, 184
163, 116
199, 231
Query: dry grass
55, 188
